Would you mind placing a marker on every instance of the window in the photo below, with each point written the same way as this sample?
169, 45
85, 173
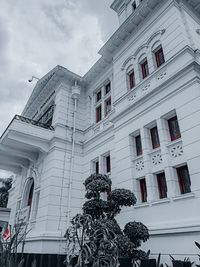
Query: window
174, 128
138, 145
107, 88
98, 114
103, 102
96, 167
144, 68
143, 190
184, 179
162, 185
134, 5
131, 79
107, 106
107, 164
30, 196
155, 137
98, 96
159, 56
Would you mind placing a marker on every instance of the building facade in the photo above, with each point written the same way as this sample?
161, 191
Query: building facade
135, 115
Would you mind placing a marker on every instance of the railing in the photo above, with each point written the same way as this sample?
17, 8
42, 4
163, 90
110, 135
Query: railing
33, 122
29, 121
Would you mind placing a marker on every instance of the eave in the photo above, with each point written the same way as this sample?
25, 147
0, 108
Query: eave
46, 85
127, 28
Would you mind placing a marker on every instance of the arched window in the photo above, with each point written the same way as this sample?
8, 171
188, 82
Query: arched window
158, 54
30, 195
130, 76
143, 66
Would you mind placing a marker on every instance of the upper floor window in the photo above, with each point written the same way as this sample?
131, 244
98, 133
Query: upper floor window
98, 96
159, 56
138, 145
95, 166
184, 179
144, 68
107, 164
162, 185
143, 190
131, 79
155, 137
98, 114
47, 117
103, 102
134, 6
107, 104
107, 88
174, 128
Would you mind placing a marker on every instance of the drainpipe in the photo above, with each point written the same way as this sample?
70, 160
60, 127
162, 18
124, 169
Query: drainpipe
76, 91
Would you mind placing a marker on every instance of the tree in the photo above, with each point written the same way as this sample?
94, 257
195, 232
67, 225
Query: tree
95, 237
4, 191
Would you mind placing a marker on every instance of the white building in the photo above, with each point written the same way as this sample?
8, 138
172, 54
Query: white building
134, 115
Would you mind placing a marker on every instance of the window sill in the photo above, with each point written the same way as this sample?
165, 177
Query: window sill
141, 205
174, 142
184, 196
154, 150
160, 201
137, 158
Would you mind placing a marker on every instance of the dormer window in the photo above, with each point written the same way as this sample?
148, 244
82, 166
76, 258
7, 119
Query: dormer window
144, 68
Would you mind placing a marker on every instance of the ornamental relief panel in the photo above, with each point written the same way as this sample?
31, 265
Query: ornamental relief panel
139, 165
157, 159
176, 151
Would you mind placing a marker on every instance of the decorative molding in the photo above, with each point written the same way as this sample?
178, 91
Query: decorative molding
161, 32
176, 151
144, 46
162, 75
132, 97
198, 31
139, 165
157, 159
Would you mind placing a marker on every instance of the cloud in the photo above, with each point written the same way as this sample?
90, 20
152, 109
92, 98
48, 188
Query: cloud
37, 35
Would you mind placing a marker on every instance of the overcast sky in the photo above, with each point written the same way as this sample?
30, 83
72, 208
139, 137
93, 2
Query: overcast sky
37, 35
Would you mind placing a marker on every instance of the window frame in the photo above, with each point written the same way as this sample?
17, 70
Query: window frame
161, 185
173, 135
154, 138
131, 79
159, 61
143, 190
100, 103
144, 70
138, 146
182, 180
98, 115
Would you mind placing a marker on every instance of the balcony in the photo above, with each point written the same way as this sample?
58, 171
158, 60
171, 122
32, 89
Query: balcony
22, 142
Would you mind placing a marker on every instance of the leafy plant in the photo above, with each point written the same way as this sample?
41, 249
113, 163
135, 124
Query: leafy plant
95, 237
6, 185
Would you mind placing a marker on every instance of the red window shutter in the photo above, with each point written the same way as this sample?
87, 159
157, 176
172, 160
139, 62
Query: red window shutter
159, 55
174, 129
162, 185
138, 145
98, 114
131, 79
155, 137
143, 190
145, 69
184, 180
